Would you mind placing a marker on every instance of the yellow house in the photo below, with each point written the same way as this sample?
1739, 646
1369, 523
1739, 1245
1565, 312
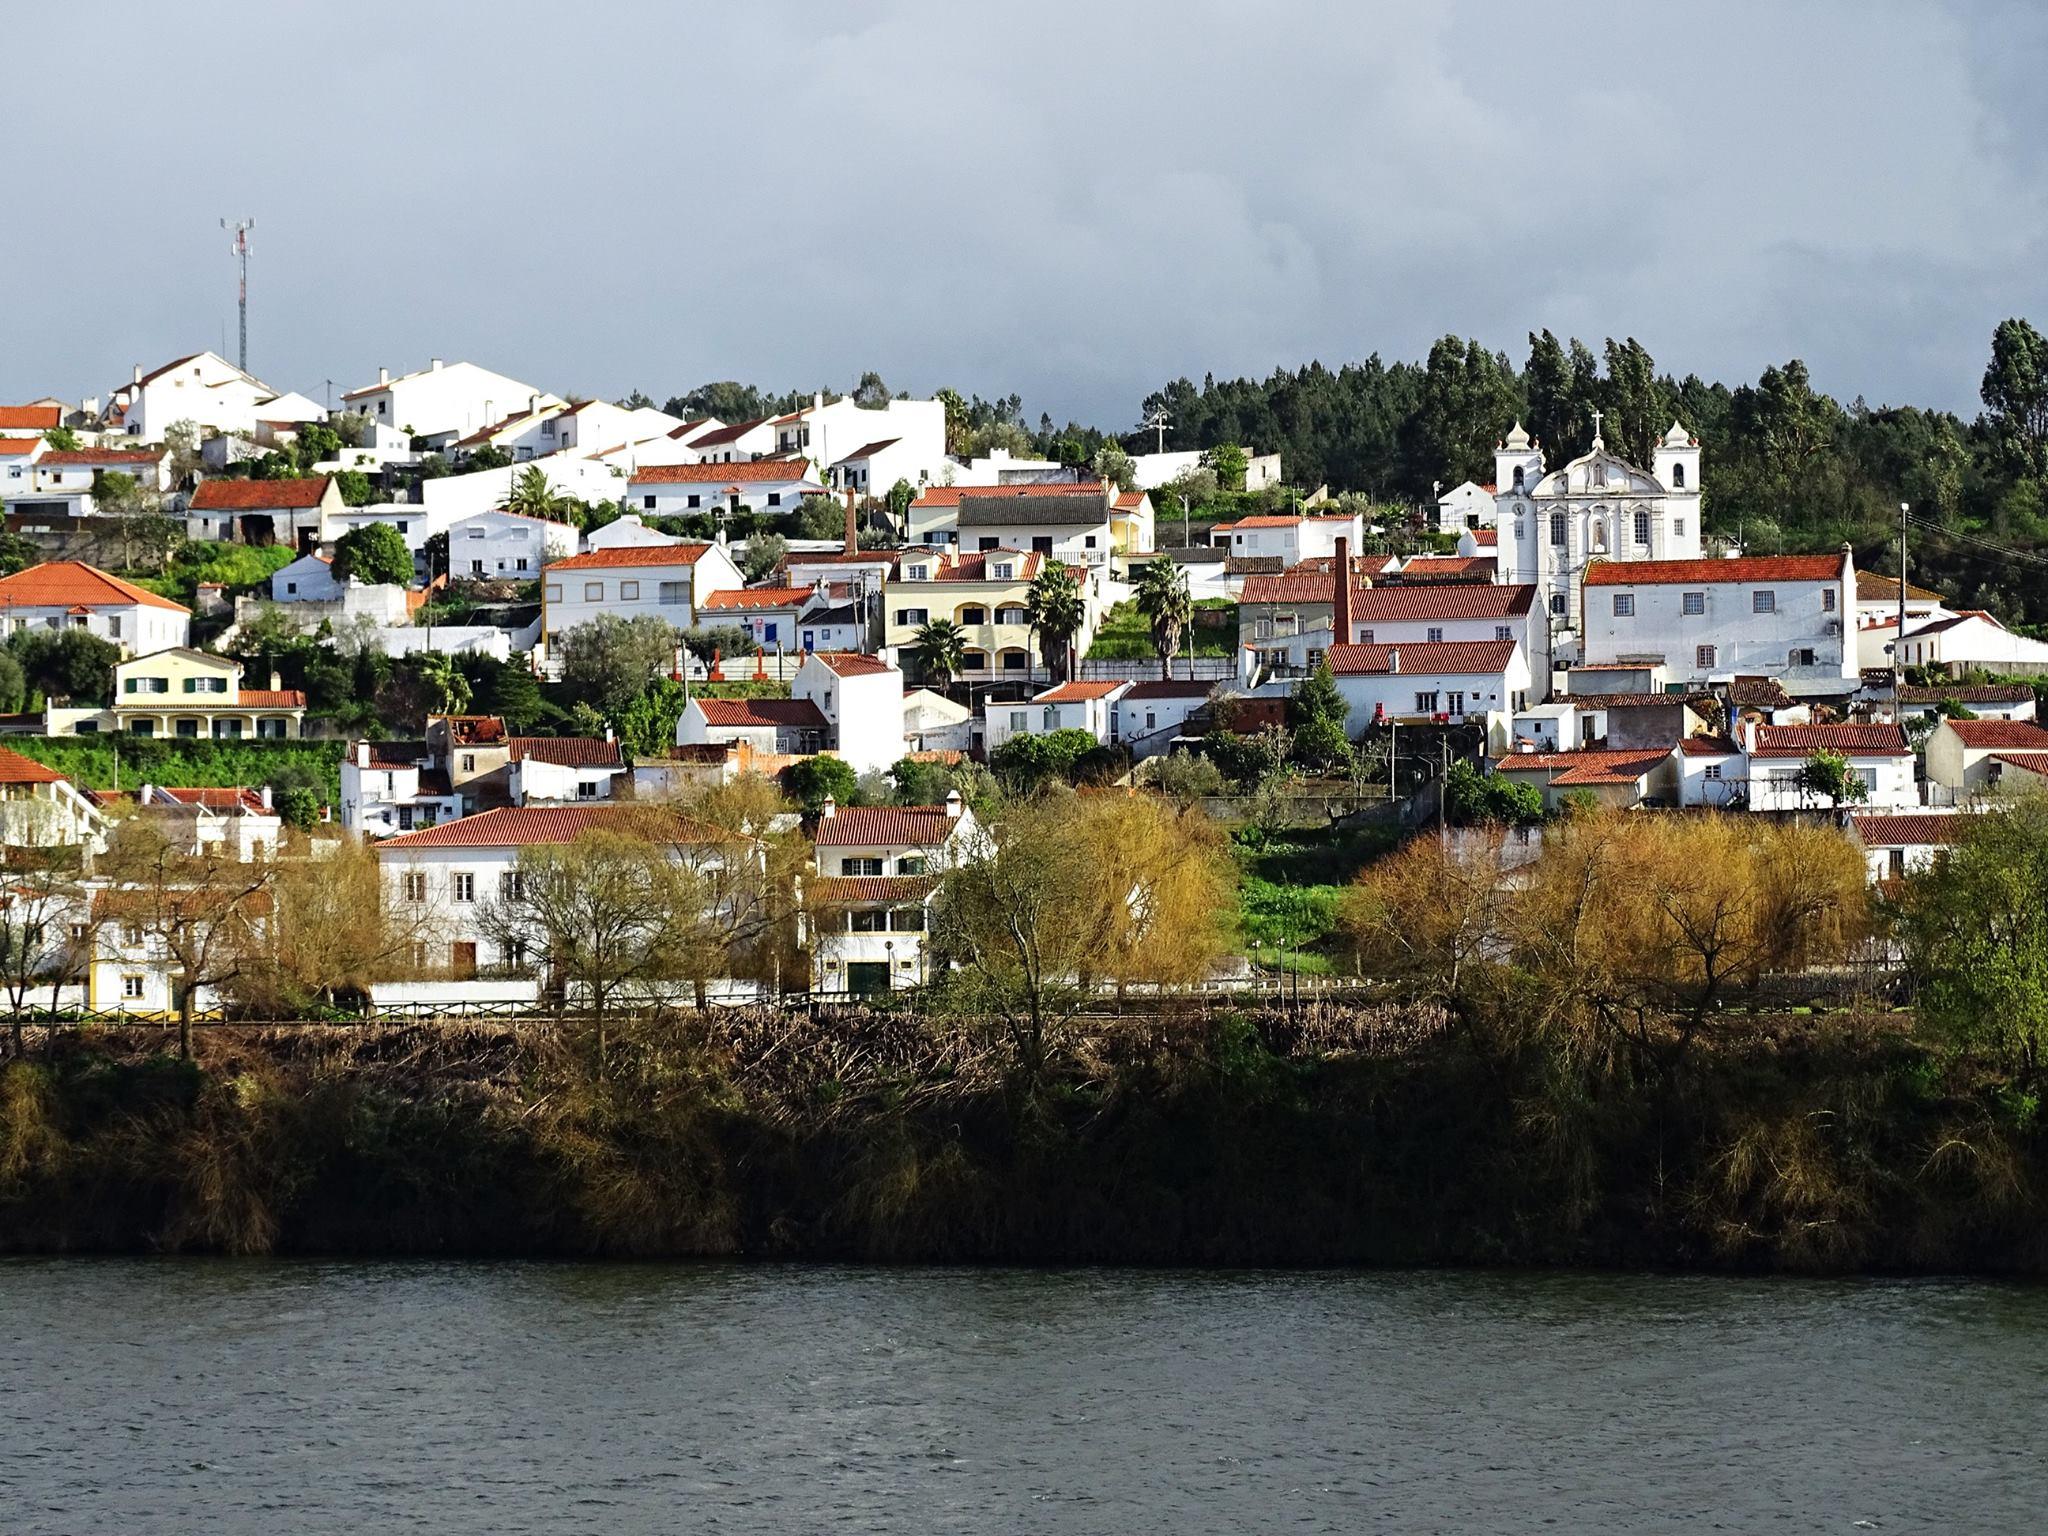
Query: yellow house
986, 594
183, 692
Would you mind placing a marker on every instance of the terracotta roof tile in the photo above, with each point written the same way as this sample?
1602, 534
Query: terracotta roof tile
631, 555
1968, 693
761, 713
895, 888
757, 597
1749, 568
1076, 692
565, 751
71, 583
270, 698
1587, 765
83, 458
526, 826
852, 663
1174, 688
900, 826
2006, 735
1873, 588
1422, 658
1879, 740
30, 418
1911, 831
1391, 604
774, 471
259, 495
16, 769
950, 495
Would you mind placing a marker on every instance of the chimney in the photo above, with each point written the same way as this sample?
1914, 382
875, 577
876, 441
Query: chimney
362, 754
953, 804
532, 402
1748, 737
138, 373
383, 375
276, 682
264, 795
829, 809
852, 534
1340, 621
817, 401
434, 365
1393, 658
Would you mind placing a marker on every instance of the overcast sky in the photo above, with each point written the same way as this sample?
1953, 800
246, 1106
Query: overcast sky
1076, 201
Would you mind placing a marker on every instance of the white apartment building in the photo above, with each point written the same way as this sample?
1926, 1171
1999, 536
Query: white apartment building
877, 869
668, 581
1781, 616
443, 402
206, 390
1451, 680
1075, 706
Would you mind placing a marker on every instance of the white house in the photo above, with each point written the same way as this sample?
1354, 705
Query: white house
1554, 524
1075, 529
877, 868
1876, 753
1465, 507
861, 698
394, 786
563, 770
1895, 846
1151, 471
770, 727
934, 723
668, 581
1961, 754
732, 443
678, 490
47, 481
204, 389
1781, 616
40, 808
1292, 539
908, 437
308, 579
1075, 706
1988, 701
293, 512
874, 468
1149, 715
1450, 680
770, 616
441, 402
506, 546
934, 517
626, 530
69, 594
1624, 777
1972, 640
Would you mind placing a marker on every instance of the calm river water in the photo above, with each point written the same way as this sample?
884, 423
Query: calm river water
295, 1397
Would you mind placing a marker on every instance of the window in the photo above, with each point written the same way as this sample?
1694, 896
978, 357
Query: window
1677, 477
1703, 656
1518, 477
1557, 529
672, 593
1518, 530
1007, 571
1624, 605
476, 567
131, 986
1313, 658
913, 615
917, 573
415, 880
1713, 772
1425, 703
1693, 604
1557, 603
1801, 658
1678, 527
694, 501
907, 920
463, 886
1014, 661
973, 615
1643, 529
405, 825
860, 866
1089, 542
1019, 721
911, 864
131, 935
1365, 637
593, 591
520, 564
1503, 632
1763, 602
511, 884
1827, 600
629, 591
554, 591
867, 920
1042, 543
1435, 634
775, 498
469, 762
647, 502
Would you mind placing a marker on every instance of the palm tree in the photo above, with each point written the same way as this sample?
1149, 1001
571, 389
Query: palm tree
438, 671
1163, 600
1056, 613
532, 496
941, 650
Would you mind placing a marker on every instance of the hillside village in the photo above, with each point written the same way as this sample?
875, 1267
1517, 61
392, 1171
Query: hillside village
419, 670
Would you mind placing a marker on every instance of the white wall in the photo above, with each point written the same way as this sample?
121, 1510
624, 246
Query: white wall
1743, 639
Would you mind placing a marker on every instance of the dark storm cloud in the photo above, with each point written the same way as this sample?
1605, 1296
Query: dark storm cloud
1075, 201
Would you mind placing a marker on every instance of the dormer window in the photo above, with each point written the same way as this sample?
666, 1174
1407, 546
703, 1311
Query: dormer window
1006, 571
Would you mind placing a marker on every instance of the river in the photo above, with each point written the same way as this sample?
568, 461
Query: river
244, 1397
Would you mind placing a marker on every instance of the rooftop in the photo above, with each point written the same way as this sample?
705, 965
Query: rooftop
259, 495
631, 555
1587, 765
753, 471
885, 826
760, 714
74, 584
528, 825
1643, 573
1909, 831
1077, 692
1876, 740
757, 597
1442, 657
2003, 735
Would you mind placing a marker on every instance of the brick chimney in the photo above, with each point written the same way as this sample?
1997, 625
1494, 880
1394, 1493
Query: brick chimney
852, 533
1340, 603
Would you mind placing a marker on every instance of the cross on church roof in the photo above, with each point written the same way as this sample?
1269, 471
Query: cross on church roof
1596, 428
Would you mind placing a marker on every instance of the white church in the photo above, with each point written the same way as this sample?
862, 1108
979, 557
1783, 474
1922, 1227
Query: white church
1552, 523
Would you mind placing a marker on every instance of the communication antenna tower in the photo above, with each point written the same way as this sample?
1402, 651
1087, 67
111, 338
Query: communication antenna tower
240, 229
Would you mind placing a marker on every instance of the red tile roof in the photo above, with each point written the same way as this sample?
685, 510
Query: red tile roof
718, 437
1912, 831
1968, 693
525, 826
1587, 765
270, 698
259, 495
29, 418
761, 713
2033, 762
975, 567
73, 583
83, 458
1709, 746
1873, 588
565, 751
1077, 692
1423, 658
15, 447
16, 769
1749, 568
887, 826
2012, 735
776, 471
1175, 688
631, 555
1467, 566
894, 888
758, 597
1486, 537
1879, 740
1129, 501
869, 450
853, 663
214, 799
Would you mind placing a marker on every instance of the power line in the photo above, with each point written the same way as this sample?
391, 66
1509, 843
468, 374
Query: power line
1990, 546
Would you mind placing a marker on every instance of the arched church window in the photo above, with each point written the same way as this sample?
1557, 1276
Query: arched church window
1678, 477
1518, 477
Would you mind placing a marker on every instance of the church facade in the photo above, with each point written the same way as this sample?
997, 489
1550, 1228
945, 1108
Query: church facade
1554, 523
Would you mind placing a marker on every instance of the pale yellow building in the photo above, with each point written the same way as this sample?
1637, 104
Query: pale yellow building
183, 692
986, 593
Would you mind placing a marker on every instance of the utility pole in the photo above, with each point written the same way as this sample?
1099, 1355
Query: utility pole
1443, 784
1899, 640
240, 229
1156, 424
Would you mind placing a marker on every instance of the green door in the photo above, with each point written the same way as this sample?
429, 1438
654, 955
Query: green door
864, 978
